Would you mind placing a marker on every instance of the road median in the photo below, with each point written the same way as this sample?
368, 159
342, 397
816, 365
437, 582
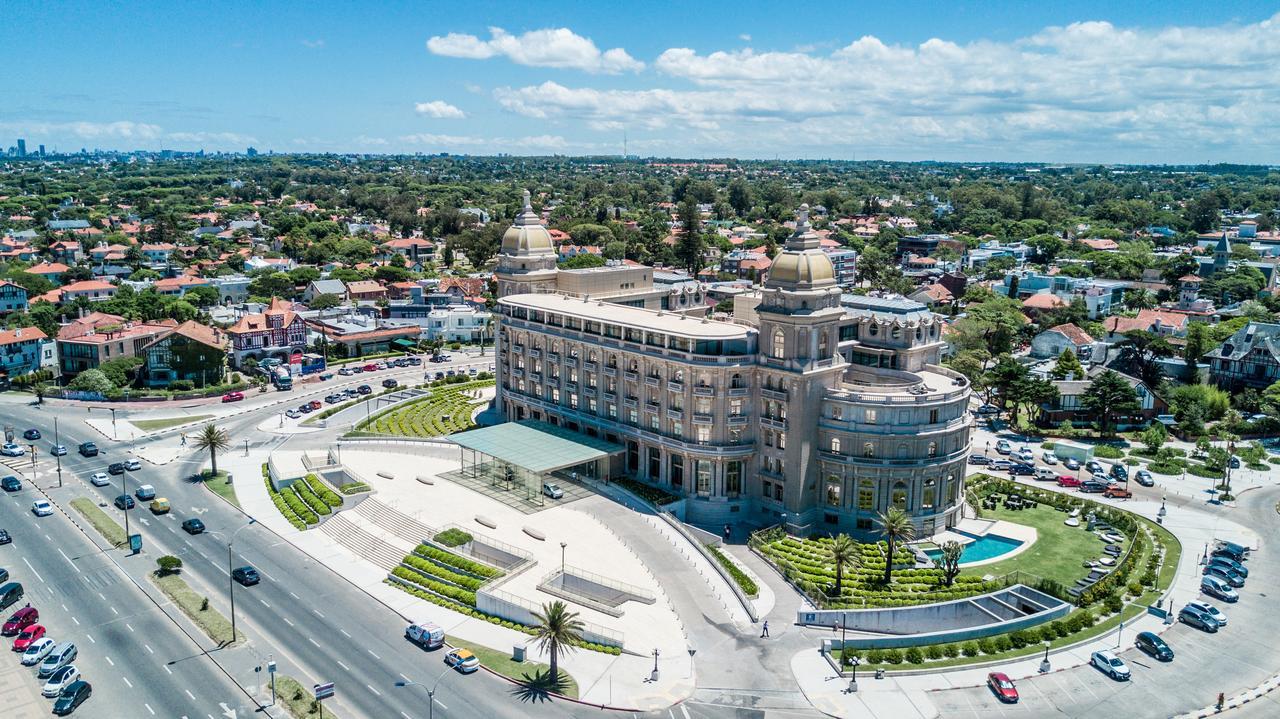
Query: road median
299, 700
100, 520
196, 607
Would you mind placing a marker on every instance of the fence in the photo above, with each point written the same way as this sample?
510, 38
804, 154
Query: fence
615, 593
742, 597
512, 608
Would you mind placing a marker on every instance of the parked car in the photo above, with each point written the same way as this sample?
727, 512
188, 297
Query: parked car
426, 635
344, 372
233, 396
1115, 492
987, 409
20, 620
31, 434
1002, 686
57, 658
41, 508
1231, 564
11, 484
124, 502
314, 404
326, 376
1224, 573
1234, 462
292, 413
370, 367
462, 660
1026, 455
1144, 478
1119, 473
72, 697
1021, 468
389, 383
1045, 474
132, 465
415, 360
1092, 486
1207, 608
1003, 447
1238, 552
552, 490
59, 680
115, 468
1152, 644
1049, 457
1000, 465
357, 370
981, 459
37, 651
247, 576
1093, 466
1110, 664
58, 450
88, 449
9, 449
1199, 620
364, 389
1218, 588
333, 399
5, 539
28, 636
1066, 480
305, 408
1071, 463
193, 526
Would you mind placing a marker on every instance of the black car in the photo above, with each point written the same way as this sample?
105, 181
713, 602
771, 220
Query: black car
979, 459
88, 449
1234, 461
73, 696
124, 502
306, 408
1092, 487
1021, 468
364, 389
116, 468
31, 434
10, 484
1154, 645
1231, 550
1198, 620
389, 383
1119, 472
5, 538
247, 576
193, 526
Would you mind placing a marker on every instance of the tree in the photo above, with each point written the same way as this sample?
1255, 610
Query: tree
1202, 213
1068, 365
1004, 380
272, 284
843, 553
324, 301
121, 370
214, 439
1140, 353
1154, 437
40, 389
895, 526
740, 197
92, 380
1271, 400
1198, 343
582, 260
1031, 393
557, 629
168, 564
1107, 397
992, 324
1139, 299
690, 244
949, 562
203, 296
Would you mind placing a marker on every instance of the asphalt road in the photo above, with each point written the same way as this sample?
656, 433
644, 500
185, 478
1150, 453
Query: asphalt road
139, 662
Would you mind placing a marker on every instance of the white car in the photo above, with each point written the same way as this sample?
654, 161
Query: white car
1049, 458
42, 508
60, 680
552, 490
293, 414
132, 465
13, 450
1207, 608
99, 479
37, 651
58, 450
1026, 455
1110, 664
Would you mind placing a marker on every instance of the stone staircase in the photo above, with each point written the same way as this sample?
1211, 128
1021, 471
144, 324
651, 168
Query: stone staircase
350, 535
394, 521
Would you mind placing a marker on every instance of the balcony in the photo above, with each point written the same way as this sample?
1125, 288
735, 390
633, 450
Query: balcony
571, 386
652, 407
770, 474
631, 376
675, 413
675, 386
535, 376
553, 357
518, 349
611, 371
630, 402
571, 361
610, 397
738, 420
702, 419
778, 394
534, 353
739, 391
590, 366
517, 372
704, 390
652, 381
773, 423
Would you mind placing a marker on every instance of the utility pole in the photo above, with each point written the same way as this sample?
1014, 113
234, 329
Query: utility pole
57, 456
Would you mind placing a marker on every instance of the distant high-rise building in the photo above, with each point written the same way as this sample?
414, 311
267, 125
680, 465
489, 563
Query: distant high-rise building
42, 150
22, 147
251, 152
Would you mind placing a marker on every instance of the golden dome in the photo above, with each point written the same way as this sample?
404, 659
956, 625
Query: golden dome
809, 268
527, 235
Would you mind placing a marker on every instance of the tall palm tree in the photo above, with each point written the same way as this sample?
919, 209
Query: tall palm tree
558, 629
213, 438
843, 553
895, 526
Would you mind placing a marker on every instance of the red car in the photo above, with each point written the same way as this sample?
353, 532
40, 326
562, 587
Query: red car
27, 637
20, 620
233, 396
315, 404
1066, 480
1003, 687
371, 368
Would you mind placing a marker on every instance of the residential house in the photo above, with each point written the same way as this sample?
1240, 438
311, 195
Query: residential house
324, 287
746, 265
366, 291
1051, 342
20, 353
51, 271
1041, 302
13, 298
417, 250
279, 264
102, 252
463, 288
934, 295
277, 333
180, 285
158, 254
232, 288
1068, 406
191, 352
99, 337
1249, 358
361, 334
569, 251
92, 290
65, 225
456, 323
1161, 322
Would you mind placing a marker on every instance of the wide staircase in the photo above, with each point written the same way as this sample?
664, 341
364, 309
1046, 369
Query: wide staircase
362, 543
394, 521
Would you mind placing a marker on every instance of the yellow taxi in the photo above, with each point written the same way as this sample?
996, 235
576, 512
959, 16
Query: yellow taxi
160, 505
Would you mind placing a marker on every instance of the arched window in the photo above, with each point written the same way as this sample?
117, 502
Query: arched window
874, 329
678, 376
933, 449
899, 496
635, 366
928, 497
779, 344
824, 348
868, 449
835, 445
736, 382
833, 491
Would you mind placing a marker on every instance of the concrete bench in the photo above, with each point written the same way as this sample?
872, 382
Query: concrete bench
386, 475
486, 521
426, 480
536, 534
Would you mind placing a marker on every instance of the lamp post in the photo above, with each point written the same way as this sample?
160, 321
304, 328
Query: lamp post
1044, 663
231, 581
654, 676
431, 690
562, 548
57, 456
124, 487
853, 676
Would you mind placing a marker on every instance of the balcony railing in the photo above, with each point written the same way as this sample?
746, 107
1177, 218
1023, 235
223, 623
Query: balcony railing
534, 353
675, 413
773, 423
611, 371
704, 390
778, 394
590, 366
652, 381
739, 391
631, 376
702, 419
738, 419
675, 386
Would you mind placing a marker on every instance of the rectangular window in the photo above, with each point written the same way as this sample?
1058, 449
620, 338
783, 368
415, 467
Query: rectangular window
612, 410
703, 405
782, 440
676, 470
655, 463
766, 489
933, 416
869, 416
735, 408
704, 434
777, 492
633, 417
653, 423
733, 478
703, 475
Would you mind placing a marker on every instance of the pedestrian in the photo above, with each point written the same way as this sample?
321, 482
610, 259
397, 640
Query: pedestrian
1221, 700
764, 634
184, 440
727, 532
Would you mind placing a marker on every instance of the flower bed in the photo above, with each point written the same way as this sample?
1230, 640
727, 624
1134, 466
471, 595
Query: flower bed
304, 493
285, 502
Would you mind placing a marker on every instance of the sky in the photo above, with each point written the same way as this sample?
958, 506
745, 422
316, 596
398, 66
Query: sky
1177, 81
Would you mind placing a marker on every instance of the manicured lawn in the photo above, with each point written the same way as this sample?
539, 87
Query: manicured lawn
1058, 553
193, 604
502, 663
155, 425
221, 487
299, 699
100, 520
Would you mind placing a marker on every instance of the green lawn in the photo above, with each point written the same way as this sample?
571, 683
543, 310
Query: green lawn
155, 425
502, 663
298, 699
221, 487
195, 606
1058, 552
100, 520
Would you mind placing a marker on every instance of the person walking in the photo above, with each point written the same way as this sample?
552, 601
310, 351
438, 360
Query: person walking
764, 633
184, 440
727, 532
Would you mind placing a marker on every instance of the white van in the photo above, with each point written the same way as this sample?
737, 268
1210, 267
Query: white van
146, 493
1046, 474
427, 635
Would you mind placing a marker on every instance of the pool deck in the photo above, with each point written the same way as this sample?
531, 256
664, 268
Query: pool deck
983, 527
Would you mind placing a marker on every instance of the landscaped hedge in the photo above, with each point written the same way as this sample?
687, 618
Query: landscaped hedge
446, 410
459, 562
1106, 451
278, 499
747, 584
304, 493
452, 537
445, 590
647, 493
435, 570
353, 488
321, 490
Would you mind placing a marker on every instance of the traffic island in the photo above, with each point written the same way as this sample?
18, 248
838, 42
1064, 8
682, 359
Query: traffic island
105, 525
220, 484
299, 700
196, 607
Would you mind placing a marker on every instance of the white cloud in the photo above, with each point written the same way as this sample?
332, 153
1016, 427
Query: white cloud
211, 138
313, 44
552, 47
1089, 91
86, 130
528, 143
745, 37
439, 109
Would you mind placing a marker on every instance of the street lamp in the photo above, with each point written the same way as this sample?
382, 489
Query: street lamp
1044, 664
58, 456
431, 690
654, 676
231, 582
562, 548
853, 668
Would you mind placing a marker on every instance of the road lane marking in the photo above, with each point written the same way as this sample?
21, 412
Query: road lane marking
126, 681
64, 608
407, 679
375, 656
148, 706
109, 660
294, 595
188, 691
149, 649
33, 570
286, 621
344, 666
442, 706
370, 688
268, 606
115, 611
317, 613
406, 716
130, 626
344, 633
313, 642
166, 668
103, 598
73, 564
91, 639
77, 621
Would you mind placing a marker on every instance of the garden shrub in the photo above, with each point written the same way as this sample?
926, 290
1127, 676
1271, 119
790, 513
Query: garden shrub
951, 651
970, 649
1106, 451
875, 656
893, 656
914, 655
933, 651
1004, 643
452, 537
987, 645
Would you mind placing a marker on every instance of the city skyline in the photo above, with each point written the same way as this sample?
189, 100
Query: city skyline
1082, 83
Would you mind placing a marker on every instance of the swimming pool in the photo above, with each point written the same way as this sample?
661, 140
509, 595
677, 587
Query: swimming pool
981, 549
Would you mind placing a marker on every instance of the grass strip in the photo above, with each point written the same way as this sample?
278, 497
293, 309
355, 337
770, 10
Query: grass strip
523, 672
100, 520
196, 607
299, 700
221, 486
155, 425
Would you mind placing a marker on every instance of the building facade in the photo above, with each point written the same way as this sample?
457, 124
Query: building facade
192, 352
819, 411
20, 353
277, 333
1248, 358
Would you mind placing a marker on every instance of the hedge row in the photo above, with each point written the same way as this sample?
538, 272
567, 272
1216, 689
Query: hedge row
453, 560
740, 578
445, 590
354, 488
452, 537
316, 504
321, 490
278, 499
1073, 624
425, 566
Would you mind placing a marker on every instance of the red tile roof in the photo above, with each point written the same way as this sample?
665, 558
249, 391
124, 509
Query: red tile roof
1073, 333
21, 334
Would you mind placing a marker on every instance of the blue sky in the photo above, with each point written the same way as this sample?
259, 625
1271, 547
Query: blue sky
1055, 82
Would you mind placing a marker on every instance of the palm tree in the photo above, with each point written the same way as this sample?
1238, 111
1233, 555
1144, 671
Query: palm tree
557, 629
896, 526
844, 552
40, 389
213, 438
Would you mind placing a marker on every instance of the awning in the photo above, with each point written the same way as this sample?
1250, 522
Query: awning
407, 344
536, 446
